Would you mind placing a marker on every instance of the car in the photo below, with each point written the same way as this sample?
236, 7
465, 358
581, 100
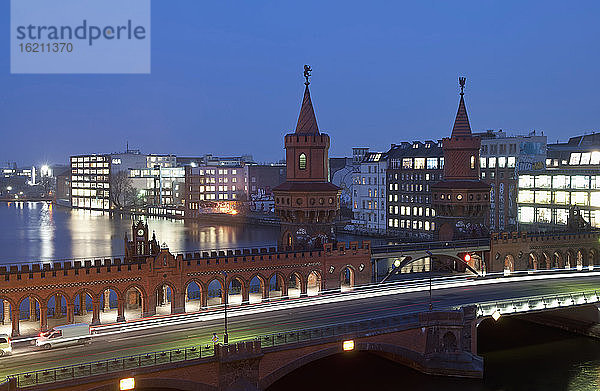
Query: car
5, 345
68, 334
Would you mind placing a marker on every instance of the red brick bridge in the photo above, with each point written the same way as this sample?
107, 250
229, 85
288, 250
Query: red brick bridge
174, 283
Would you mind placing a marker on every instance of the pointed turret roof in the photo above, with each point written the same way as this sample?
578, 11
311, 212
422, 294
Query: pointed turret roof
461, 123
307, 122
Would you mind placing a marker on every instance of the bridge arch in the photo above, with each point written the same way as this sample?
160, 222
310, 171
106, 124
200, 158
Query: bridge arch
570, 258
195, 291
347, 277
296, 284
237, 290
401, 355
509, 263
557, 260
29, 310
314, 283
533, 261
277, 285
594, 258
257, 287
215, 291
545, 261
57, 305
135, 301
83, 301
165, 298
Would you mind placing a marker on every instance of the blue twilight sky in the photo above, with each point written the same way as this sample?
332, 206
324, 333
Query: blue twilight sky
227, 78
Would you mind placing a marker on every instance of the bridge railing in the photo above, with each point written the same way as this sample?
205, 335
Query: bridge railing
94, 368
536, 303
88, 369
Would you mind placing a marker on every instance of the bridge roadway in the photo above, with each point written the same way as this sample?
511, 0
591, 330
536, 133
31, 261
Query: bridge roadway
287, 315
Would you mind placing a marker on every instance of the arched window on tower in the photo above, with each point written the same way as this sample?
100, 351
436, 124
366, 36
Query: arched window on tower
472, 162
302, 161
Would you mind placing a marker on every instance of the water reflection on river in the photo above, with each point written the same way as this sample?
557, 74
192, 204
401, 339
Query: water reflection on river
34, 231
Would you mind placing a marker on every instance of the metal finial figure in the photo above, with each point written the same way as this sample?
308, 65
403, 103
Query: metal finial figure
462, 81
307, 71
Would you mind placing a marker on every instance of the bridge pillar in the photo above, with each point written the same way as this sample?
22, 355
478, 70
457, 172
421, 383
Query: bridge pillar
32, 310
95, 311
150, 305
239, 365
303, 288
203, 298
70, 313
82, 304
120, 309
265, 291
178, 303
450, 346
245, 294
15, 323
6, 312
106, 307
44, 316
58, 306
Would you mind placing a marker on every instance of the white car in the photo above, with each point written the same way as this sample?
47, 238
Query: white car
5, 345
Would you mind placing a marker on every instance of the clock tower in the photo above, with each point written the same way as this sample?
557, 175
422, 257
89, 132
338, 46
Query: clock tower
140, 246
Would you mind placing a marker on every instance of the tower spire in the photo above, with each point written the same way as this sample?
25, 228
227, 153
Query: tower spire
461, 123
307, 122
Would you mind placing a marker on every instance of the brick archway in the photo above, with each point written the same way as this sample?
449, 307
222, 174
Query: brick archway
194, 295
396, 353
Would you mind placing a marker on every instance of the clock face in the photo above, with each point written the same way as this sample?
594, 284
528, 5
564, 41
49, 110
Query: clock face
140, 232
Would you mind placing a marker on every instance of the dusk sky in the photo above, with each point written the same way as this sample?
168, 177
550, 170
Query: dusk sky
228, 80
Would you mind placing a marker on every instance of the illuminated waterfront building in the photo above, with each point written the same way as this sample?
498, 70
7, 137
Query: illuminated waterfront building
569, 185
369, 193
502, 157
413, 169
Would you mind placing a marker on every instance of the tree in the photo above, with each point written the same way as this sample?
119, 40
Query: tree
122, 192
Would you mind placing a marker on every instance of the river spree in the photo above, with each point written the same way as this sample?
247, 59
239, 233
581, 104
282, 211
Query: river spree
38, 231
35, 231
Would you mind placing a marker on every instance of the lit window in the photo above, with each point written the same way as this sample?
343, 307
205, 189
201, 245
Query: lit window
302, 162
482, 162
511, 162
472, 162
575, 158
585, 158
432, 163
526, 214
501, 162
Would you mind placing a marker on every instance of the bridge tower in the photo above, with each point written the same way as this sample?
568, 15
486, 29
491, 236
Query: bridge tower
461, 200
140, 246
307, 202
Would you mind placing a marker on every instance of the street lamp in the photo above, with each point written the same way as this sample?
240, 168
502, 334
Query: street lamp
430, 264
226, 337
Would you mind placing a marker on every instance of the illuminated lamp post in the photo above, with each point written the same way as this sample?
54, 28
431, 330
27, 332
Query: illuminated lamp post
226, 337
